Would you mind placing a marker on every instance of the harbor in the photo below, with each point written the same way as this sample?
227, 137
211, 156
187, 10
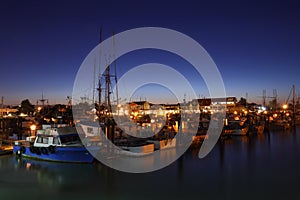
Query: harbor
47, 150
39, 134
149, 100
265, 163
109, 138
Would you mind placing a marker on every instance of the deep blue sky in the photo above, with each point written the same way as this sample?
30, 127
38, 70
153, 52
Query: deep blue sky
256, 45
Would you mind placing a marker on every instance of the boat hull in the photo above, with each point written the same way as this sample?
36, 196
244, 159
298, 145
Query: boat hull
240, 132
139, 150
59, 154
163, 144
280, 126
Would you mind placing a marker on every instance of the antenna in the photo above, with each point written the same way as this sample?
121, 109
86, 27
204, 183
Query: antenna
294, 106
275, 98
246, 99
69, 101
2, 104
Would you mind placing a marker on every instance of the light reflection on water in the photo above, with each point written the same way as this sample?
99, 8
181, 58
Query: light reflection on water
261, 167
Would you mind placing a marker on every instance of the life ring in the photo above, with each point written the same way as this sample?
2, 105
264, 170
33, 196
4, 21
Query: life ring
22, 149
44, 150
31, 149
37, 150
51, 149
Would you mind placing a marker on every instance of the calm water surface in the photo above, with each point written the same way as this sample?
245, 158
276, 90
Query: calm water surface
257, 167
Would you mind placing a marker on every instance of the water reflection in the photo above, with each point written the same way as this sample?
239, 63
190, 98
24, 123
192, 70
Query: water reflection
240, 167
56, 175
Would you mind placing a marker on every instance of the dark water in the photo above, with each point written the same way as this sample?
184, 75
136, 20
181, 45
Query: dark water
257, 167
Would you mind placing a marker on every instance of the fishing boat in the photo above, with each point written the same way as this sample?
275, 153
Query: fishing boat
54, 144
101, 128
260, 128
164, 139
297, 118
137, 147
163, 143
127, 144
236, 127
5, 148
280, 124
240, 131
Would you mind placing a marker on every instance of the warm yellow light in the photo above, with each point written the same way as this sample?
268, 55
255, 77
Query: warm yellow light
235, 112
23, 115
39, 108
33, 127
275, 115
285, 106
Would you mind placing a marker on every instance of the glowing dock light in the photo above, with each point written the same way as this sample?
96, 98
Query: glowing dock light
285, 106
33, 128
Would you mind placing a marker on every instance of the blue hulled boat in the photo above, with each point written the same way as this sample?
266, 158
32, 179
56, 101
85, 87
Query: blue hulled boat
55, 144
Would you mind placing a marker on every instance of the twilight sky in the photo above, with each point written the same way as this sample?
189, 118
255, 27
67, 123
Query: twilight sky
256, 45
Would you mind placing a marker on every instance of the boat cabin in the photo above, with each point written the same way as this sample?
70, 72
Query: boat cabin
57, 140
57, 137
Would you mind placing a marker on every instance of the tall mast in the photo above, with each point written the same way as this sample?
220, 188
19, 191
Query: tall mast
115, 69
43, 102
99, 77
104, 105
108, 92
294, 106
94, 79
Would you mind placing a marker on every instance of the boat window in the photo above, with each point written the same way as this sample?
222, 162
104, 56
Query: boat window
55, 140
39, 140
70, 139
90, 130
43, 140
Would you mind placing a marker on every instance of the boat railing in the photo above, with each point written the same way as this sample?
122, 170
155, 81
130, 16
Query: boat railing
6, 142
22, 143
